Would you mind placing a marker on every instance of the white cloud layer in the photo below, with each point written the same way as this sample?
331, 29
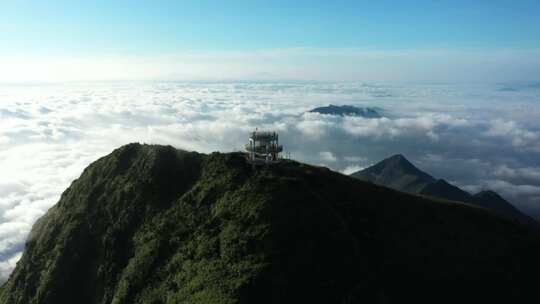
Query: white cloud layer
480, 136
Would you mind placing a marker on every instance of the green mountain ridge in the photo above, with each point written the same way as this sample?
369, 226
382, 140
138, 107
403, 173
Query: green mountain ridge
152, 224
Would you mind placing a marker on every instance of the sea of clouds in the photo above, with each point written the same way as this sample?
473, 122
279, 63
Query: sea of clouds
476, 136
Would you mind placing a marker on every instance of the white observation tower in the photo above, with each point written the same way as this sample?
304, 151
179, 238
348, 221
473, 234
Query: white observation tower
263, 148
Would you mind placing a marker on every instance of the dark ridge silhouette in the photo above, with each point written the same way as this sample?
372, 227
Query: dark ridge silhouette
398, 173
348, 111
443, 189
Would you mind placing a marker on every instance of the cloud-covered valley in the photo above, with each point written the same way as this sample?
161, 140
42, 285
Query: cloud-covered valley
477, 136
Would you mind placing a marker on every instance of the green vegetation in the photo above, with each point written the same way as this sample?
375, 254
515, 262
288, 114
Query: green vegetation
151, 224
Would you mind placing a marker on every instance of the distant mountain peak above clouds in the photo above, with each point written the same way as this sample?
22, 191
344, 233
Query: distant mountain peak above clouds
347, 110
396, 172
400, 160
399, 173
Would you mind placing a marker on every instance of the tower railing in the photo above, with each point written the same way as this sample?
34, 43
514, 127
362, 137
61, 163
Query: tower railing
263, 148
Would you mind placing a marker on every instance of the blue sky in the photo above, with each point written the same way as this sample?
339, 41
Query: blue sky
94, 29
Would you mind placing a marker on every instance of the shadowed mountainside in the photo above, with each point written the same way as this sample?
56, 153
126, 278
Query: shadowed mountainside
443, 189
398, 173
152, 224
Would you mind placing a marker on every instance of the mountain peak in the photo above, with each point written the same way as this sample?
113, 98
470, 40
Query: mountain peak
399, 159
396, 172
347, 110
